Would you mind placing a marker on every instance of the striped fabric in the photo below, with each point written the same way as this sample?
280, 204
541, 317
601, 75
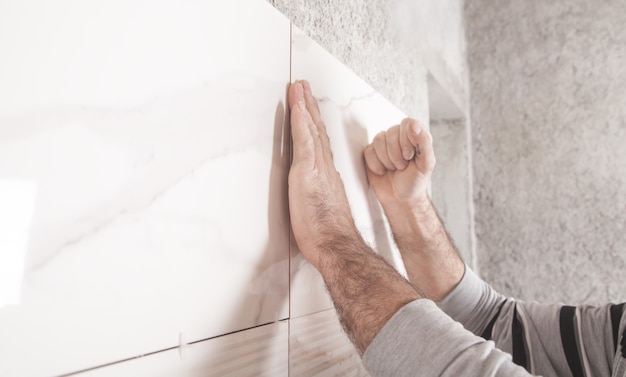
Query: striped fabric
547, 340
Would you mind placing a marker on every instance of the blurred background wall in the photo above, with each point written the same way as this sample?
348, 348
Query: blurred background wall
548, 112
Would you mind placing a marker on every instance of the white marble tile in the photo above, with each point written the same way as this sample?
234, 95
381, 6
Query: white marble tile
353, 113
261, 351
319, 347
153, 136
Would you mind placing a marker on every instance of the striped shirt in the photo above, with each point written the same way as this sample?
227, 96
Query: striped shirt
508, 337
545, 339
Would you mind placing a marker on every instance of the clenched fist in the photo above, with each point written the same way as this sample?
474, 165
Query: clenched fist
400, 162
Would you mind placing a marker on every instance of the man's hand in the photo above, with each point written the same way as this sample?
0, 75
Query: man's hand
365, 289
317, 199
400, 162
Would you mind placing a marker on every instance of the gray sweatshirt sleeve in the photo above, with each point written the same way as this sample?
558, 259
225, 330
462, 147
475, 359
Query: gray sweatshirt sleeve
421, 340
546, 339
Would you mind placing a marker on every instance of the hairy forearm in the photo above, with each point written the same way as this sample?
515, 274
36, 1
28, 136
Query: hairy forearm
430, 257
365, 289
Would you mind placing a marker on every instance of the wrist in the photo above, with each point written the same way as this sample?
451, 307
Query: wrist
406, 215
417, 203
429, 255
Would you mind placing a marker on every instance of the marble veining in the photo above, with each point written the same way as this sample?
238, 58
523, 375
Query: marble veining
153, 140
158, 150
131, 165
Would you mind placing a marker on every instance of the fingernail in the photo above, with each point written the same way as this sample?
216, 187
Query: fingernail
306, 86
408, 154
415, 127
299, 90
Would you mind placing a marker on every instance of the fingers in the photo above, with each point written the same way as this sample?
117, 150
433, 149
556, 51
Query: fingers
380, 149
314, 109
422, 142
408, 148
304, 132
311, 102
393, 149
372, 161
306, 109
425, 153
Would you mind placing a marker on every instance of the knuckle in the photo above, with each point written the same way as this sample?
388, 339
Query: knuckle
380, 137
390, 138
405, 142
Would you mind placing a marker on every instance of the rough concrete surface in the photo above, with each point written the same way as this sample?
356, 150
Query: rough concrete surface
451, 191
437, 29
548, 112
390, 43
358, 33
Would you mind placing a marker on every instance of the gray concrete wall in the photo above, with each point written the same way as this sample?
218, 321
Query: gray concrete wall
548, 110
391, 44
360, 35
451, 184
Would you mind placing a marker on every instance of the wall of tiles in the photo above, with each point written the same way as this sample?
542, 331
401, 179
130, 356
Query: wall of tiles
144, 153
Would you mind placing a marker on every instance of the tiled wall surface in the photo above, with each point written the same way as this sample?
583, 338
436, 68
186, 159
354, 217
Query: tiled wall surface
260, 351
152, 140
318, 347
154, 134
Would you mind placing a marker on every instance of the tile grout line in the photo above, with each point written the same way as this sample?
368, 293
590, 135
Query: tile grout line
116, 362
289, 214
